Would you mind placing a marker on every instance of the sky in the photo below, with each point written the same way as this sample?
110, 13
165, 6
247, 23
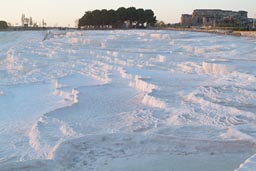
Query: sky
66, 12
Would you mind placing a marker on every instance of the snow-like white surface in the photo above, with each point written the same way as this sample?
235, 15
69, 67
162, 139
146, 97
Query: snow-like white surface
112, 100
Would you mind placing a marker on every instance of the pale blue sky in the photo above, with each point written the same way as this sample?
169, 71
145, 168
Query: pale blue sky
64, 12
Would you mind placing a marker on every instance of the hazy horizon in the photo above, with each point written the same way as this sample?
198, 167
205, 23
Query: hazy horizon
64, 12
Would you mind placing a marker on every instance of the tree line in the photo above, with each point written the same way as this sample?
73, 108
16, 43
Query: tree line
120, 18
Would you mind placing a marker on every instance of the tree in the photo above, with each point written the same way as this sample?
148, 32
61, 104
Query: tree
131, 14
121, 14
160, 24
3, 25
112, 17
104, 18
116, 18
150, 17
97, 17
86, 20
141, 16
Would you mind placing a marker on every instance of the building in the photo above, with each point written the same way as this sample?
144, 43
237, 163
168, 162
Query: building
186, 19
214, 18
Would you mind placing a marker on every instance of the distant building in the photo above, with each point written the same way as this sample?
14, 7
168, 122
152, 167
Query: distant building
186, 19
251, 23
215, 17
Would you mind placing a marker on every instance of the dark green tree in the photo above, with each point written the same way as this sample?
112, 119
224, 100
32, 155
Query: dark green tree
150, 17
104, 17
131, 14
141, 17
3, 25
86, 20
112, 17
121, 14
116, 19
96, 18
